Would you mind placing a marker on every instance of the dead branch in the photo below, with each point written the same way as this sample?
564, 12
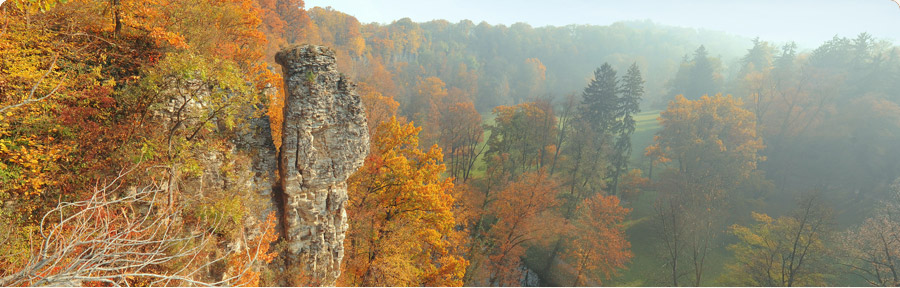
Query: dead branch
30, 99
116, 240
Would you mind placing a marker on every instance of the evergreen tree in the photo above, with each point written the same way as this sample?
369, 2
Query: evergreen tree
702, 79
679, 83
696, 77
600, 100
784, 63
758, 58
629, 104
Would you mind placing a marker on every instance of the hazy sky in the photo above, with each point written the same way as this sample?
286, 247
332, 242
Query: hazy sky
806, 21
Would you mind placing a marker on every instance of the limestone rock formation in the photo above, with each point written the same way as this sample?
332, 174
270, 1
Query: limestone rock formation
325, 139
257, 142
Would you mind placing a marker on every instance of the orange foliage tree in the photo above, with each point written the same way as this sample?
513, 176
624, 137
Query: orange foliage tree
426, 108
257, 253
401, 216
380, 108
599, 244
104, 72
632, 183
524, 214
461, 132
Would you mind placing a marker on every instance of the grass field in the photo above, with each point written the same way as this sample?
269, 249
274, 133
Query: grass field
646, 126
646, 266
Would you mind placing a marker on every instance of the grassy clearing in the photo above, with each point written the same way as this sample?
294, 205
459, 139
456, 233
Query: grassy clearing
479, 169
646, 268
645, 127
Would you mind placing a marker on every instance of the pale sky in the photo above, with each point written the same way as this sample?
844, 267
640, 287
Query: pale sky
808, 22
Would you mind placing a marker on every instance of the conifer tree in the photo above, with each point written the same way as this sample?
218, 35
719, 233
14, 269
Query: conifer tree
629, 104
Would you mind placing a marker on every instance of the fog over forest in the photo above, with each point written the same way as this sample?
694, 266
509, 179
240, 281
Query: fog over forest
459, 143
807, 22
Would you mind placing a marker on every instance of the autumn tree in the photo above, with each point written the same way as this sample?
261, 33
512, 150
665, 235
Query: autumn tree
712, 137
632, 184
532, 78
425, 108
339, 30
584, 173
564, 128
524, 134
788, 251
480, 200
599, 249
401, 212
380, 108
815, 103
523, 213
669, 225
28, 156
712, 145
166, 84
597, 138
871, 250
461, 133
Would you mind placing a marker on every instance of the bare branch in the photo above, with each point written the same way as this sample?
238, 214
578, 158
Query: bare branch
30, 99
115, 239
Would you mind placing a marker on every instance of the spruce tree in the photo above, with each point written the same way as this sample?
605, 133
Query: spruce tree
600, 100
702, 77
629, 104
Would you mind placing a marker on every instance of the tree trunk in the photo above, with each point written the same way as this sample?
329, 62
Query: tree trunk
118, 17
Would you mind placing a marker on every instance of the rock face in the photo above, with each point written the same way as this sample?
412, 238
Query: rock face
325, 139
258, 144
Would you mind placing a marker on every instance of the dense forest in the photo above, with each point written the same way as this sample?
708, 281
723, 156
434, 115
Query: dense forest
633, 154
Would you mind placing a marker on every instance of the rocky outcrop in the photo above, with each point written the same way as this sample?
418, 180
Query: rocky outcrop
257, 142
325, 139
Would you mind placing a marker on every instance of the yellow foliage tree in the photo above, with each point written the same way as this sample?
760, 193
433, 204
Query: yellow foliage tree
787, 251
710, 145
708, 136
401, 213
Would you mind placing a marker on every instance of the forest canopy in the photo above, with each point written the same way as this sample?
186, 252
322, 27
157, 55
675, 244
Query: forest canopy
630, 154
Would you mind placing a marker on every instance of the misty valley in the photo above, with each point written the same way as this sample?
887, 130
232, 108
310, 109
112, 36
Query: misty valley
280, 143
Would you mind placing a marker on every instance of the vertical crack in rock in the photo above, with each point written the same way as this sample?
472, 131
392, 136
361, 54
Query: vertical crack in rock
325, 139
